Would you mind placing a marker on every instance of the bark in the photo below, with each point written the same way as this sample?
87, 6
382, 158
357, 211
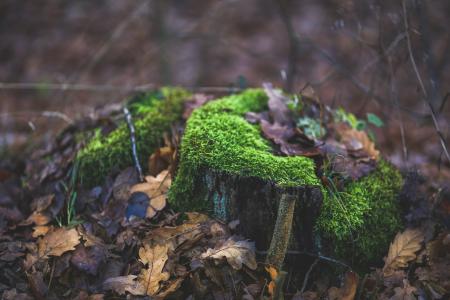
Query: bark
255, 203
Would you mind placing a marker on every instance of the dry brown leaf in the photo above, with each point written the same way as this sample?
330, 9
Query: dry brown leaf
175, 236
156, 189
58, 242
404, 293
40, 230
236, 253
348, 290
273, 272
148, 281
124, 284
402, 250
356, 140
172, 287
150, 277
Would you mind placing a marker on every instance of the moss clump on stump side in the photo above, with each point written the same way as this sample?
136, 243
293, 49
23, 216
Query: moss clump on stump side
365, 216
360, 220
104, 154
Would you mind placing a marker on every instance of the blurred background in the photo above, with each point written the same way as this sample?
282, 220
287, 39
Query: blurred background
60, 60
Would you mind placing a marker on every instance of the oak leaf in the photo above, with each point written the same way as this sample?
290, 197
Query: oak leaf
402, 250
237, 253
155, 257
148, 281
57, 242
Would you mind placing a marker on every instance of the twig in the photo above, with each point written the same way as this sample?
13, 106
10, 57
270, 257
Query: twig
422, 86
137, 164
305, 281
107, 88
293, 45
325, 258
45, 113
282, 231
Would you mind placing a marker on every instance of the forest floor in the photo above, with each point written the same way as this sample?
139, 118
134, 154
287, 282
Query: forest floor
61, 242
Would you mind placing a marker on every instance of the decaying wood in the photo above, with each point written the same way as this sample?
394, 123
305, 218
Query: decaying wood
256, 202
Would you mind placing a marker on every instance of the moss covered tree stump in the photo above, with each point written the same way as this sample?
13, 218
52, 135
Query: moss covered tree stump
228, 169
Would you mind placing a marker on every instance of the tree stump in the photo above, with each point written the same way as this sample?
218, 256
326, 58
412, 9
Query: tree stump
228, 169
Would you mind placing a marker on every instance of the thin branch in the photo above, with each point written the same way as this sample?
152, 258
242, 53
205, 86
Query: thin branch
20, 86
422, 86
137, 164
294, 45
305, 281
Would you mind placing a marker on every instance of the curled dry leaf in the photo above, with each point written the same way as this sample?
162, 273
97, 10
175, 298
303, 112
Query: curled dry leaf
356, 141
156, 189
57, 242
402, 250
273, 272
347, 291
236, 253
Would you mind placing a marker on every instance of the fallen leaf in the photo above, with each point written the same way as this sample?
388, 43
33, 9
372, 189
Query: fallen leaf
356, 142
122, 284
156, 189
277, 103
347, 291
40, 230
196, 101
236, 253
402, 250
155, 257
37, 285
273, 272
87, 259
172, 287
404, 293
57, 242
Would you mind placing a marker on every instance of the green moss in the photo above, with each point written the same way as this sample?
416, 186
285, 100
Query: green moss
218, 137
362, 219
155, 114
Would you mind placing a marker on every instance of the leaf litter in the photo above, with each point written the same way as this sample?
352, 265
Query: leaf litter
162, 254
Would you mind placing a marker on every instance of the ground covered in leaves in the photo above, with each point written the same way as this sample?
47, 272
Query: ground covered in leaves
122, 240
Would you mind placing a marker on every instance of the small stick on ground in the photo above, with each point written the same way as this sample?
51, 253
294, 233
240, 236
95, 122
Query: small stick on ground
137, 164
282, 231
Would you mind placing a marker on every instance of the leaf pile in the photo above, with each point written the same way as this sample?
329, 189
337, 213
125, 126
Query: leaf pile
342, 144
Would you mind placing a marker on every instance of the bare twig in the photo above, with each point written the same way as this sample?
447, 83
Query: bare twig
422, 86
293, 45
137, 164
305, 281
45, 113
20, 86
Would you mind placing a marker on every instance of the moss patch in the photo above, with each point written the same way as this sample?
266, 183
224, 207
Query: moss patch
218, 137
153, 116
360, 220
